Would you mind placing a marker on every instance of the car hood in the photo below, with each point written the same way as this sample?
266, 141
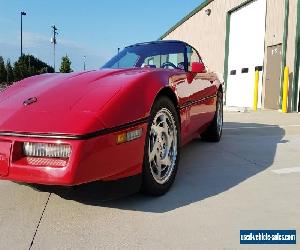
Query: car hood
63, 103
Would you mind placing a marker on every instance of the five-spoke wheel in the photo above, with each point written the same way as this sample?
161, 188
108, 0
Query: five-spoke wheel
161, 148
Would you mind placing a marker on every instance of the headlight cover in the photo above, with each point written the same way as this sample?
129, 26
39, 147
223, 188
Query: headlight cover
51, 150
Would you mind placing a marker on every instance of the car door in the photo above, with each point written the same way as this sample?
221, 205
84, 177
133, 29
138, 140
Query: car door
202, 94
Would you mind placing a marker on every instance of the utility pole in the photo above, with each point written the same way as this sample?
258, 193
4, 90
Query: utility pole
53, 40
84, 58
22, 14
7, 72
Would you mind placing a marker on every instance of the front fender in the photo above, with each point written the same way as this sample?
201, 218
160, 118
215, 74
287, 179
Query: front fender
134, 101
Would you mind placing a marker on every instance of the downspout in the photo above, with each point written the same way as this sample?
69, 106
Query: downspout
226, 53
296, 64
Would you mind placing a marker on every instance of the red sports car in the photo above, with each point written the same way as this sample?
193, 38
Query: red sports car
128, 118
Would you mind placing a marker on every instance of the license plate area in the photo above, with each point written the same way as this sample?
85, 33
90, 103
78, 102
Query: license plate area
5, 149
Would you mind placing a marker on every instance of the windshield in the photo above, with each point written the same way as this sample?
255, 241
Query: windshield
169, 55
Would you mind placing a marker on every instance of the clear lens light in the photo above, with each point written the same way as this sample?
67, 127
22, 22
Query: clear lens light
131, 135
47, 150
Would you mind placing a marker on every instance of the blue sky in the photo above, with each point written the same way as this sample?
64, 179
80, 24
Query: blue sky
91, 28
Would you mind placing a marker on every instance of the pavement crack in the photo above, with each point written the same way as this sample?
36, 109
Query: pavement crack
243, 158
42, 215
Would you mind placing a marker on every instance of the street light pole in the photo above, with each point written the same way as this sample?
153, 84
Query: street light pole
118, 60
22, 14
53, 40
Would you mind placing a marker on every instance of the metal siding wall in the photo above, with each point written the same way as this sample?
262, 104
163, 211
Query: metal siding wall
274, 22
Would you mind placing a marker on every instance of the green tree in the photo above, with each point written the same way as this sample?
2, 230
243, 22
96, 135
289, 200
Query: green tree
21, 69
2, 71
65, 66
28, 65
9, 72
43, 70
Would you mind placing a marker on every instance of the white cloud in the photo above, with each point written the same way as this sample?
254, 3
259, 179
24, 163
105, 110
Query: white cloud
33, 39
40, 46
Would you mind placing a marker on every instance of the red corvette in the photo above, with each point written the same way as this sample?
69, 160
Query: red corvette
128, 118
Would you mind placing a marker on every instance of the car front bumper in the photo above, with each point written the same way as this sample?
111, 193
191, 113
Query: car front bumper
97, 158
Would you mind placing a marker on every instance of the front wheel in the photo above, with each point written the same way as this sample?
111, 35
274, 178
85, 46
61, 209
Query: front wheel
214, 131
161, 155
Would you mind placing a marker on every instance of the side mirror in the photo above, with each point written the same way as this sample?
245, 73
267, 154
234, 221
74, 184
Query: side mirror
198, 67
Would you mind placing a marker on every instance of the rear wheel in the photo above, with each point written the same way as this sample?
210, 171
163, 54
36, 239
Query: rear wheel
161, 155
214, 131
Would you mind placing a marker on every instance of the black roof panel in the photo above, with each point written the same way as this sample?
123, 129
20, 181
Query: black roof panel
156, 42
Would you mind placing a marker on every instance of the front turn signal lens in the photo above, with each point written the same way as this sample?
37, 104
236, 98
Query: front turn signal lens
121, 138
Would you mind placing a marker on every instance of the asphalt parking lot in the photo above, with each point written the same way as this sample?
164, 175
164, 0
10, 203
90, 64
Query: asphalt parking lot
250, 180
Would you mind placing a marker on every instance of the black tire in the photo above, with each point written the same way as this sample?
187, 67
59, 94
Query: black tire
213, 133
150, 185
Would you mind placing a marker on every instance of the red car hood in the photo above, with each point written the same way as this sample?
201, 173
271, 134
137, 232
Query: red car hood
65, 103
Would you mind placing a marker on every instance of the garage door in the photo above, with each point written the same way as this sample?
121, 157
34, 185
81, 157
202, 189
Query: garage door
246, 52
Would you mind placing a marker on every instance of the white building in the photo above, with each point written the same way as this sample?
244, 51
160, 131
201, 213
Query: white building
237, 37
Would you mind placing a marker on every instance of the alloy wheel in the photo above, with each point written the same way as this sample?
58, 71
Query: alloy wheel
219, 114
162, 149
